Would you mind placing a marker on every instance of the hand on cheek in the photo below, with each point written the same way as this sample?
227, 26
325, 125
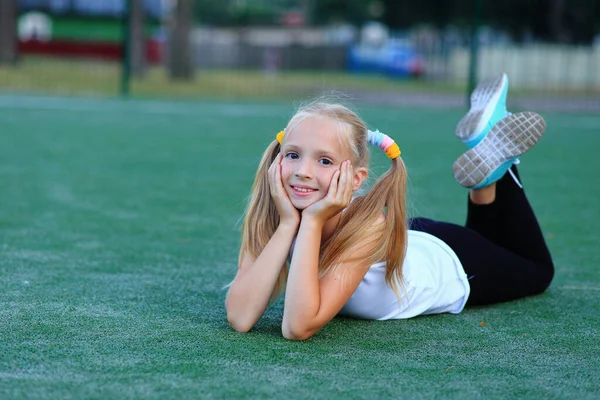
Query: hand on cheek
338, 195
287, 212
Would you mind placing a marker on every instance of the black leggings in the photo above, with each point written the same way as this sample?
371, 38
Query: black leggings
502, 248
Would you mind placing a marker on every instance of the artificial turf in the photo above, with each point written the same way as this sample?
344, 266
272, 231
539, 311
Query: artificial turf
119, 227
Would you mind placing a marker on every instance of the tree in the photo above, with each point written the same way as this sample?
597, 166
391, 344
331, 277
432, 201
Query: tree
327, 11
181, 65
137, 37
8, 31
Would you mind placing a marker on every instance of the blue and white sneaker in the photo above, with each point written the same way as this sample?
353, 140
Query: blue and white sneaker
488, 107
488, 161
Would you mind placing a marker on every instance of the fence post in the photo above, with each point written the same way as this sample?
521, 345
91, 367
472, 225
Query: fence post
126, 50
8, 31
474, 52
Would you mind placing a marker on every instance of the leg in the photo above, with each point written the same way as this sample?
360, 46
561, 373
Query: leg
498, 207
505, 257
510, 223
502, 247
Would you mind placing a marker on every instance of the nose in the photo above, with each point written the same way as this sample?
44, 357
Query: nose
303, 169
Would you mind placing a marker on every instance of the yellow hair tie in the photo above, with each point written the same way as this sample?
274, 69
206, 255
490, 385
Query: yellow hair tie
280, 137
393, 151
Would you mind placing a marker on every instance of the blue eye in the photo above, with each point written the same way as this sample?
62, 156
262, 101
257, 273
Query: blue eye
325, 161
293, 156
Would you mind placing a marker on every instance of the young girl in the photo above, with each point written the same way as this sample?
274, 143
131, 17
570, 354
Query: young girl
359, 256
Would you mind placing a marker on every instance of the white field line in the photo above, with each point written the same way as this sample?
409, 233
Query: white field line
591, 288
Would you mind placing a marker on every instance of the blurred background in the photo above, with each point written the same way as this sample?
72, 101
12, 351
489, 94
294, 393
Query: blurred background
428, 52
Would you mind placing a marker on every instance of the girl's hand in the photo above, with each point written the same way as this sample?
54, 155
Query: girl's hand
338, 195
288, 214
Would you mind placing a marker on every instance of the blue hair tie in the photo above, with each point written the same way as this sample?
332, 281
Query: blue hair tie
375, 137
384, 142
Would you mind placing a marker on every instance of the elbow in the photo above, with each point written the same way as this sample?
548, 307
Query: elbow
239, 324
296, 333
238, 319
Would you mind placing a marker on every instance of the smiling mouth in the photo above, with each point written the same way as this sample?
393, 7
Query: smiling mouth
303, 191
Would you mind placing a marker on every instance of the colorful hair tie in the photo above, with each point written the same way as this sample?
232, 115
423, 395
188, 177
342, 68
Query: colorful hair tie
384, 142
280, 136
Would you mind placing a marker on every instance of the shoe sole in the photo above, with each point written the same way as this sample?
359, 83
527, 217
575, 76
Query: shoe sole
483, 103
508, 139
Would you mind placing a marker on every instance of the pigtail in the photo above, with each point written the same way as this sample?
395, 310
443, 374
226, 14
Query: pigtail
358, 226
395, 230
261, 216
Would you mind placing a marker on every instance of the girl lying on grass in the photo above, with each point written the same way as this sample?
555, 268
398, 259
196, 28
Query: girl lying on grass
360, 256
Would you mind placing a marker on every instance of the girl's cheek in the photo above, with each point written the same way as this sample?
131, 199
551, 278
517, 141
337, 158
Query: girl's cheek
285, 168
330, 178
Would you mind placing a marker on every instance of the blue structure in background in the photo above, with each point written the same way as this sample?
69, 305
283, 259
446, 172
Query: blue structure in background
395, 58
91, 8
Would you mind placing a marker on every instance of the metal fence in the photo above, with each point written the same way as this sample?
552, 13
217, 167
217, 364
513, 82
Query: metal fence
69, 53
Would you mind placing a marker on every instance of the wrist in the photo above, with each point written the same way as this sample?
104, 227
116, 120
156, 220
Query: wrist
312, 220
289, 224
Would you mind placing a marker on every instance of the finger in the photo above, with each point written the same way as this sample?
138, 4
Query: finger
274, 164
349, 182
343, 181
279, 176
333, 185
273, 169
342, 194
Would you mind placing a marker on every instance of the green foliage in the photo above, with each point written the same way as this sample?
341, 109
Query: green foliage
253, 15
212, 12
548, 20
353, 11
233, 13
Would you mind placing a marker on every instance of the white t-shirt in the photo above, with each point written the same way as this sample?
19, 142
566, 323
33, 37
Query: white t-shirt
434, 282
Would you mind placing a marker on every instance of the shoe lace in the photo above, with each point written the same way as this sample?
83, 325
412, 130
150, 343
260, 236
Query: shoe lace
516, 162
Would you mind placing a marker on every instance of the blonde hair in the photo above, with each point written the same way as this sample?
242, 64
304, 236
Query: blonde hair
358, 225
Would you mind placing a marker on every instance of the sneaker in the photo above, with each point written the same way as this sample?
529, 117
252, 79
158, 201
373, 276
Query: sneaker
487, 162
488, 107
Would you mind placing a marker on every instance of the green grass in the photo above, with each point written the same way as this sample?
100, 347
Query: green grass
119, 226
62, 76
35, 74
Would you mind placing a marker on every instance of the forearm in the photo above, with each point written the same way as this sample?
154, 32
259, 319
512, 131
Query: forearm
250, 292
302, 296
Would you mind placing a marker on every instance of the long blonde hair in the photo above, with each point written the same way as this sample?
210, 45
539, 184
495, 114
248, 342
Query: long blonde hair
358, 225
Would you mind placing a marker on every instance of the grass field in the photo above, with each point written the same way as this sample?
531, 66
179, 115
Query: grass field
119, 226
62, 76
35, 74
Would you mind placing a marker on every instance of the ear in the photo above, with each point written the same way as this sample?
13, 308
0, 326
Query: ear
360, 175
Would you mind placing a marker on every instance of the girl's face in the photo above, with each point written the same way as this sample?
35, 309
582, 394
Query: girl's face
312, 152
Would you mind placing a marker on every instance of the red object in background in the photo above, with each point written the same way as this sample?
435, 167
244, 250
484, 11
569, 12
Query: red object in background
97, 50
293, 19
154, 52
69, 48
